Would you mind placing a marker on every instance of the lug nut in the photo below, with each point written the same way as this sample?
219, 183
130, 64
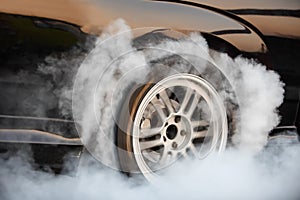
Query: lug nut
174, 145
182, 133
177, 119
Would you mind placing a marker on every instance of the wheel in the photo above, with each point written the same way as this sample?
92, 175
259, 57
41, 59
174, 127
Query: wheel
178, 113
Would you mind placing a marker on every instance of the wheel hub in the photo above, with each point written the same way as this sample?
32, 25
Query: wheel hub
176, 133
171, 131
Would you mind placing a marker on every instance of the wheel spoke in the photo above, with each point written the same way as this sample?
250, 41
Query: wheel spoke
199, 134
201, 123
166, 159
164, 96
186, 99
150, 144
184, 154
151, 156
194, 150
193, 105
149, 132
160, 112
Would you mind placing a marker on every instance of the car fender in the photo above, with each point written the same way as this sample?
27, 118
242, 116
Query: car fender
183, 16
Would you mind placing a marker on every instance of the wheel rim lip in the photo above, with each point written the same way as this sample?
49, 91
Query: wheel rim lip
188, 79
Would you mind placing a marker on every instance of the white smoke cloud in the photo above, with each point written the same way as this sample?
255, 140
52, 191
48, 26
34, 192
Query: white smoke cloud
246, 171
234, 175
259, 92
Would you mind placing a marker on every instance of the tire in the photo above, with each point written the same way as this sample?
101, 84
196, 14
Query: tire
178, 113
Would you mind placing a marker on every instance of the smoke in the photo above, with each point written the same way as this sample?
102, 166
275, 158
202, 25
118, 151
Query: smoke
248, 170
234, 175
258, 100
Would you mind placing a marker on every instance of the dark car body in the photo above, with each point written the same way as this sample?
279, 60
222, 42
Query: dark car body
30, 30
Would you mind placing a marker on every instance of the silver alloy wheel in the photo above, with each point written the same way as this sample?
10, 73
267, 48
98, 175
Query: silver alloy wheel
180, 116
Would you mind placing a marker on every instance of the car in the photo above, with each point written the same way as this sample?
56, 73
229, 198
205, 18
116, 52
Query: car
44, 43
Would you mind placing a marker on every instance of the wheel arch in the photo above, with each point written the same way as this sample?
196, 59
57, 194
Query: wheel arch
228, 33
